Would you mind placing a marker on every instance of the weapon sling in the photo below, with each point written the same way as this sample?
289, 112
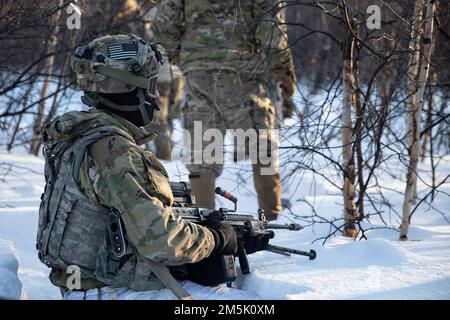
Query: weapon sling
163, 274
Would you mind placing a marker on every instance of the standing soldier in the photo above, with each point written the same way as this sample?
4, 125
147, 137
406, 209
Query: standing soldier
227, 51
170, 87
283, 103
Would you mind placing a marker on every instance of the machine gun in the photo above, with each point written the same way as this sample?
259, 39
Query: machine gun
249, 230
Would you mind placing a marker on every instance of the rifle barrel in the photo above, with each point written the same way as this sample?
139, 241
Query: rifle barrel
311, 254
288, 226
279, 252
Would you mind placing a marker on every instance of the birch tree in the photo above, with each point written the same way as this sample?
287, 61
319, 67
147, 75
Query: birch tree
419, 67
348, 162
427, 135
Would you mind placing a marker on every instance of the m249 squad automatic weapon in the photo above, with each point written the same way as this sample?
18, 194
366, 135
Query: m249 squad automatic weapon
253, 234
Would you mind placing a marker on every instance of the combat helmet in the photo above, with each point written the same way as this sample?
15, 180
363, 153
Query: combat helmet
115, 64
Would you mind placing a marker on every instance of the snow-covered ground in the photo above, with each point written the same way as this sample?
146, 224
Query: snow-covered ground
10, 285
378, 268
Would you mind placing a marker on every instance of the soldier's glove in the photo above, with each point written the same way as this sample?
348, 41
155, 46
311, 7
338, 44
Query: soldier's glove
224, 235
219, 266
256, 243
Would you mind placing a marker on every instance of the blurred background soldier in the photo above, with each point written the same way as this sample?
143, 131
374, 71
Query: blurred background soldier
283, 102
170, 87
227, 52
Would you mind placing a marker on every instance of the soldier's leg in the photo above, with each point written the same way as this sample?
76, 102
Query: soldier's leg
163, 141
174, 102
199, 116
268, 187
259, 113
266, 175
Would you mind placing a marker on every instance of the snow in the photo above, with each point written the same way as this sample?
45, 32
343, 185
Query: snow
380, 267
20, 192
10, 285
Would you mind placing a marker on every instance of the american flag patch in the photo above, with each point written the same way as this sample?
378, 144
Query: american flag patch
123, 51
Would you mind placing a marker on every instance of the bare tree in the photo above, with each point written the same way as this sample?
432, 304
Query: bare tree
415, 104
348, 99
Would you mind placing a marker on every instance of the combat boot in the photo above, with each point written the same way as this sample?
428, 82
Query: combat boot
268, 188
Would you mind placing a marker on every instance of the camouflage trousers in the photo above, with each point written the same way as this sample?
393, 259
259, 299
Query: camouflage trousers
169, 101
224, 100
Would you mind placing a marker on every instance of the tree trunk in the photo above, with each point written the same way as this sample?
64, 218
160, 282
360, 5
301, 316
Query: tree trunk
429, 121
358, 128
54, 105
48, 70
443, 139
348, 162
414, 109
412, 74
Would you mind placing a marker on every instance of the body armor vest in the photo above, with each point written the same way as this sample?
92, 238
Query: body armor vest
73, 231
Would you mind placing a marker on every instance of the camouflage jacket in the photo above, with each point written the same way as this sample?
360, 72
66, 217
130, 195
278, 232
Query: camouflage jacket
248, 38
117, 173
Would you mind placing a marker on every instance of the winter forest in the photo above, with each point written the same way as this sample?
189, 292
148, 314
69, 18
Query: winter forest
365, 156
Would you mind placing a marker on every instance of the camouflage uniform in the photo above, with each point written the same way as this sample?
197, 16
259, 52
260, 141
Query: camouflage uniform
170, 87
226, 52
114, 172
282, 101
